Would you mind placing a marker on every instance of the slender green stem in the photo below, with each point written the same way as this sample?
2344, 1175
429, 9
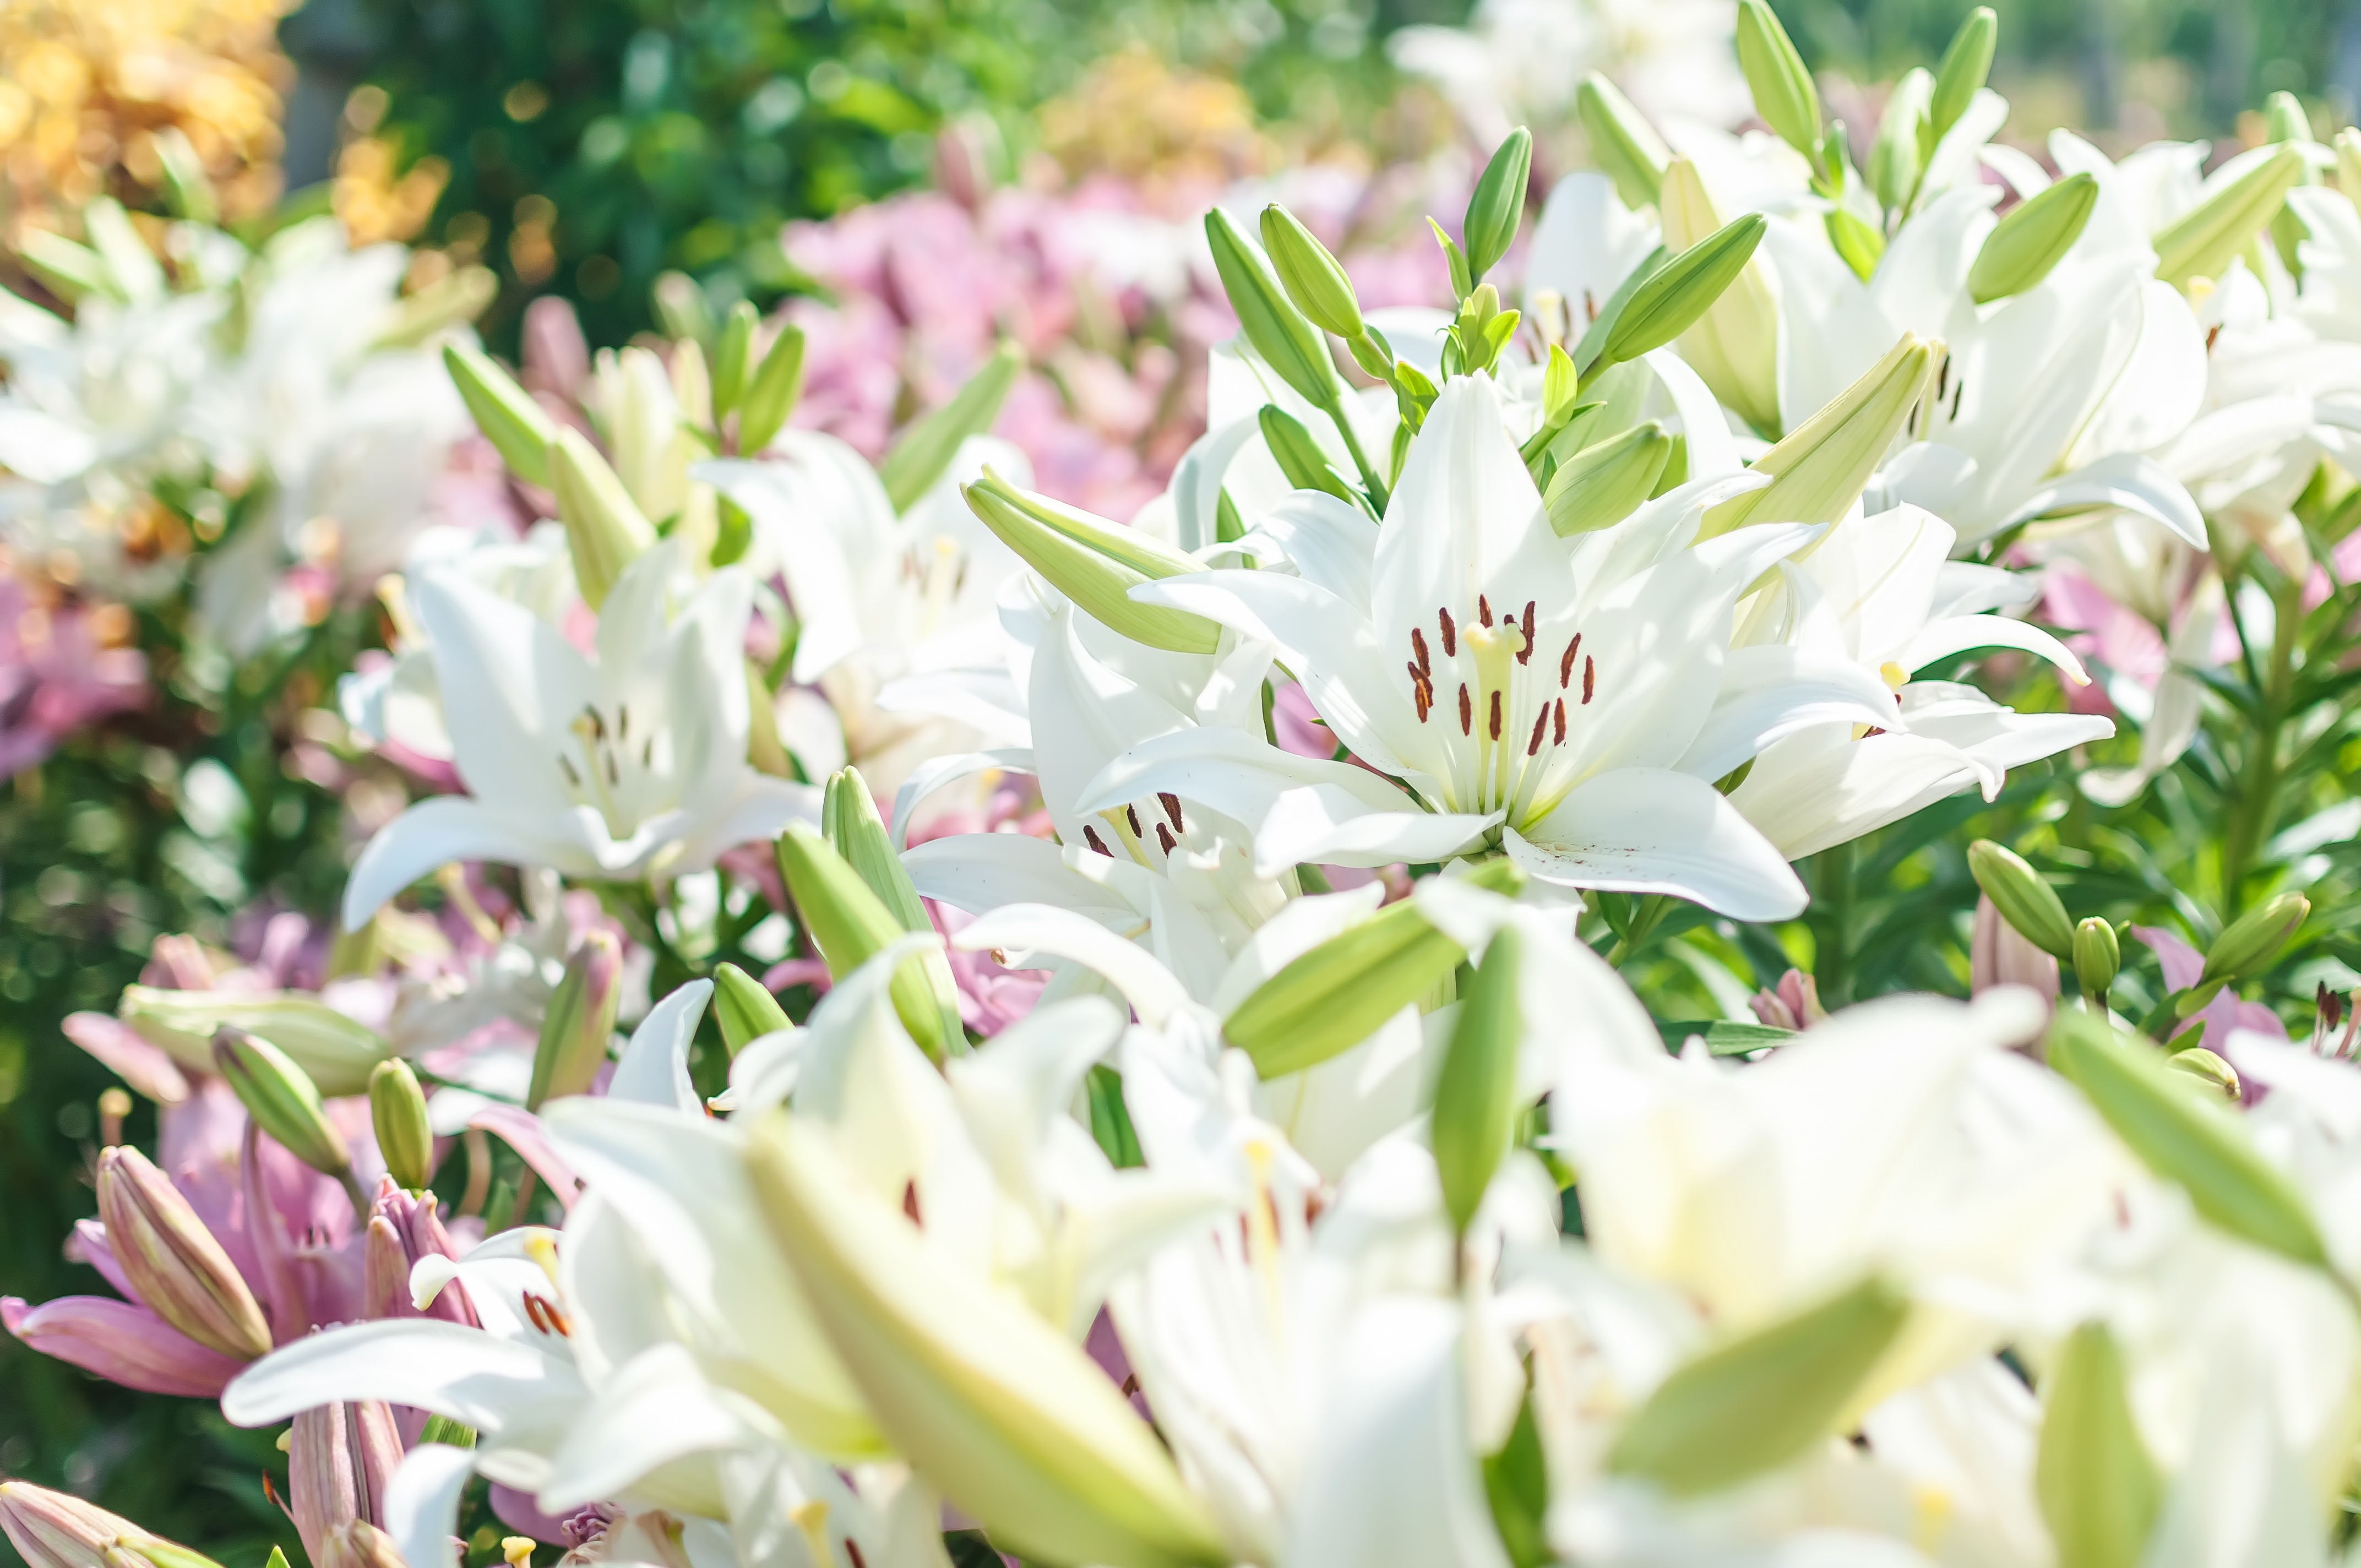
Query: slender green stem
2254, 806
1370, 481
1644, 920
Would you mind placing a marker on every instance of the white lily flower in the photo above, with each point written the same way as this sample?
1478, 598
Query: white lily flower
629, 766
1562, 701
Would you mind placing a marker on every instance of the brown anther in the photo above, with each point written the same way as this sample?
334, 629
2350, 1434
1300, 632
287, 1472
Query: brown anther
1466, 711
1541, 723
910, 1203
1565, 665
1590, 678
1525, 654
1450, 633
544, 1315
1418, 646
1090, 837
1131, 814
1164, 837
1495, 724
1557, 732
1483, 609
1171, 803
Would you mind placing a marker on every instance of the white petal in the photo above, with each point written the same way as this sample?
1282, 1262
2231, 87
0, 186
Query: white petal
936, 772
1323, 824
420, 1506
1958, 633
1038, 929
2126, 479
656, 1408
980, 872
655, 1066
431, 833
507, 1389
1654, 830
1772, 690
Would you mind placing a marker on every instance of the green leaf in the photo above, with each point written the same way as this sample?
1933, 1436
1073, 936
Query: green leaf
923, 452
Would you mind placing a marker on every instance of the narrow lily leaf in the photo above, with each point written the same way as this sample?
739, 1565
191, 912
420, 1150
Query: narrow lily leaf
851, 925
515, 425
1094, 564
2184, 1137
921, 454
1622, 142
2023, 248
1763, 1399
744, 1008
2099, 1490
2200, 241
1474, 1098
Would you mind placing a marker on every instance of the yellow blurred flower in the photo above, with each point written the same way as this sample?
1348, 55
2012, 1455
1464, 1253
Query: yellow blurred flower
1135, 117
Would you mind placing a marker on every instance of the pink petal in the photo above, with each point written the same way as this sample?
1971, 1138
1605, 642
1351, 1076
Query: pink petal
122, 1343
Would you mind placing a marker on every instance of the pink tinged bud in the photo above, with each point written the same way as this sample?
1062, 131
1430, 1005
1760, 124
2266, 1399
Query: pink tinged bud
121, 1342
172, 1261
404, 1227
339, 1458
1999, 955
557, 356
1793, 1003
50, 1529
121, 1051
357, 1545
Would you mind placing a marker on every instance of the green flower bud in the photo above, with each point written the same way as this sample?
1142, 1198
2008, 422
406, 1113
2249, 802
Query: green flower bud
1622, 142
1497, 206
1819, 468
1474, 1098
1763, 1399
1904, 136
1276, 330
577, 1025
186, 185
2024, 898
172, 1260
681, 308
731, 352
771, 397
2284, 120
398, 1117
281, 1098
1298, 455
334, 1051
1783, 94
1334, 996
2200, 241
1602, 485
1561, 387
744, 1008
2254, 938
1734, 347
1313, 279
850, 821
2348, 164
53, 1529
2098, 1490
851, 925
458, 296
605, 531
1094, 564
1964, 66
922, 454
1857, 242
72, 272
2206, 1068
2024, 245
2097, 956
1672, 299
515, 425
2198, 1142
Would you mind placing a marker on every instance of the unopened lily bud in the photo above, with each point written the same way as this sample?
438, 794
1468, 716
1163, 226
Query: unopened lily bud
52, 1530
459, 295
72, 272
187, 187
1561, 388
2348, 164
2251, 941
2097, 956
744, 1008
848, 819
337, 1052
402, 1228
771, 396
1683, 290
2208, 1069
1497, 206
171, 1259
283, 1099
2284, 120
1602, 485
578, 1025
1312, 278
1299, 456
1960, 74
2025, 899
992, 1404
605, 531
1474, 1097
1998, 954
1818, 471
358, 1545
1775, 74
1095, 563
851, 925
2100, 1491
339, 1457
398, 1115
505, 413
1905, 137
1763, 1399
2023, 246
731, 353
681, 307
923, 454
2200, 241
1334, 996
1734, 347
1284, 338
1622, 142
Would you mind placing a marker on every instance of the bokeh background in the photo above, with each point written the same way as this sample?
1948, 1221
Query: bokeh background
589, 149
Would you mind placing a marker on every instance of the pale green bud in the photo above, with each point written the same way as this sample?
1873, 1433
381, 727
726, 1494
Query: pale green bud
1672, 299
850, 821
2098, 1490
1278, 332
771, 397
577, 1025
398, 1117
1734, 347
1819, 468
1783, 94
1857, 243
2025, 899
1312, 278
1763, 1399
1904, 136
1094, 564
336, 1053
1602, 485
1964, 66
2348, 164
460, 295
2284, 120
605, 531
70, 272
138, 275
2201, 241
744, 1008
283, 1101
172, 1260
2206, 1068
851, 925
731, 352
1299, 456
2249, 943
1334, 996
1622, 142
1561, 387
681, 308
922, 454
990, 1403
2024, 245
186, 185
2197, 1143
1497, 206
516, 425
1474, 1098
2097, 956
